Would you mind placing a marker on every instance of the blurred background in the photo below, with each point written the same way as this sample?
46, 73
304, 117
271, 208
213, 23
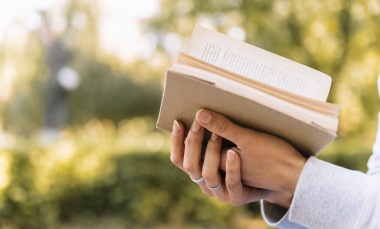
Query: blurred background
80, 89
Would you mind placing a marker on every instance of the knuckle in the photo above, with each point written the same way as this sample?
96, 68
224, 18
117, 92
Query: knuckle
222, 126
232, 171
175, 160
208, 174
213, 147
191, 139
189, 167
233, 185
235, 202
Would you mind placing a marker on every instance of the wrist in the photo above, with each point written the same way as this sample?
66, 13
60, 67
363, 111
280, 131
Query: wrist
292, 171
282, 199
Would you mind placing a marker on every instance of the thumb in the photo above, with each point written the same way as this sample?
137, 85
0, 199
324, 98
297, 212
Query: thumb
220, 125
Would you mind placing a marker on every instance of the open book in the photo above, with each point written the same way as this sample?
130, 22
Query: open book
252, 87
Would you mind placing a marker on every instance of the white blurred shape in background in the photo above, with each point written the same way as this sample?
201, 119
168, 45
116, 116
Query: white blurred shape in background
68, 78
119, 29
237, 33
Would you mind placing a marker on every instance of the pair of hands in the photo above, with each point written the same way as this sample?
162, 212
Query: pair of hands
261, 166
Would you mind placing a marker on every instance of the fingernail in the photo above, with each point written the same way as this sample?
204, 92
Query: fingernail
231, 155
214, 136
175, 127
203, 116
196, 127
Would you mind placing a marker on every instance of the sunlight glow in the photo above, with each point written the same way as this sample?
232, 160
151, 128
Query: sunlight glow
119, 29
20, 10
4, 170
6, 81
155, 141
120, 32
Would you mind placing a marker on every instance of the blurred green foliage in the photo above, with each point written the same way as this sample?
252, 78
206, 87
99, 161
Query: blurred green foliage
110, 161
107, 92
81, 179
78, 178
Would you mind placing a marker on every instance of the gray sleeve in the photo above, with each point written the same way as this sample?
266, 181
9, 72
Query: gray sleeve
374, 161
277, 216
329, 196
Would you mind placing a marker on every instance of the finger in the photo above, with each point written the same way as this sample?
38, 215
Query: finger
220, 125
223, 159
177, 144
233, 178
210, 168
193, 148
237, 192
193, 153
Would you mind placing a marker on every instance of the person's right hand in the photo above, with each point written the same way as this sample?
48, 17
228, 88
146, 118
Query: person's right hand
187, 155
229, 188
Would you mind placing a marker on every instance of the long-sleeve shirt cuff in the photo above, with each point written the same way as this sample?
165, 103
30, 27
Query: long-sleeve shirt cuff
328, 196
277, 216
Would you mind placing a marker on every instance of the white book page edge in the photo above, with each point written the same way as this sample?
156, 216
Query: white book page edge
239, 57
325, 122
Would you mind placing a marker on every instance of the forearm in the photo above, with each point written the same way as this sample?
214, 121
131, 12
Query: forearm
331, 196
282, 199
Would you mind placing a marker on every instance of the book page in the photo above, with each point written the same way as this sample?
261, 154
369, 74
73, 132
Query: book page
255, 63
325, 121
312, 104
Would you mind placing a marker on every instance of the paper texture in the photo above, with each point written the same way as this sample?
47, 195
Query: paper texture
250, 61
184, 96
312, 104
327, 121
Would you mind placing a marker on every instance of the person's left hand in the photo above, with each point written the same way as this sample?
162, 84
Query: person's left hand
268, 162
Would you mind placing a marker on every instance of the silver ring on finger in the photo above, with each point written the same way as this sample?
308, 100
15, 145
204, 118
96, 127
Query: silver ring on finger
214, 188
200, 180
